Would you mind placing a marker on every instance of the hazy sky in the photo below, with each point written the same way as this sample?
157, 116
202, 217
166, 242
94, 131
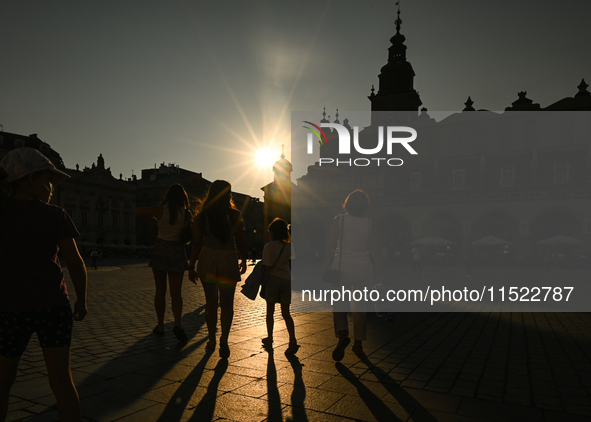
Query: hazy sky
205, 84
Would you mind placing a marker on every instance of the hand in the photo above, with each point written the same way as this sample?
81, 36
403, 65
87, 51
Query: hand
193, 275
80, 311
243, 266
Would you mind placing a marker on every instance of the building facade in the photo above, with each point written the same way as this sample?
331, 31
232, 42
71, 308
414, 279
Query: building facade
470, 180
154, 183
100, 205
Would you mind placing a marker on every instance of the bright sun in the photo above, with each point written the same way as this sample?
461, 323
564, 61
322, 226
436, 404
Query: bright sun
264, 158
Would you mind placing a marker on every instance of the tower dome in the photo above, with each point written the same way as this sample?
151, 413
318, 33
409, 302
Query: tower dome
282, 167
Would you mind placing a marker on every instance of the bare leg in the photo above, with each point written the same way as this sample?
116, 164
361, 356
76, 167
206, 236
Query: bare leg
176, 284
288, 323
160, 297
57, 360
211, 309
227, 312
270, 320
8, 369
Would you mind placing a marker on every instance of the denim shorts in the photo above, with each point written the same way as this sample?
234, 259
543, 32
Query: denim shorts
53, 327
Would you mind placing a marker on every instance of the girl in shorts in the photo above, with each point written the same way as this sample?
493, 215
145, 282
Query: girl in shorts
169, 259
33, 294
276, 256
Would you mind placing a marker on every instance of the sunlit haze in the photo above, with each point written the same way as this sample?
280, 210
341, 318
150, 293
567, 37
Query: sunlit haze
207, 85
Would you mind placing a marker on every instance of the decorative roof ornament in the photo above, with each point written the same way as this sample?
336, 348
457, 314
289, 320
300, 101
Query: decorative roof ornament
468, 105
283, 151
324, 117
582, 89
373, 94
337, 117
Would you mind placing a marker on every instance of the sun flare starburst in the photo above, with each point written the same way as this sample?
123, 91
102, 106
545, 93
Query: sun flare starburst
264, 158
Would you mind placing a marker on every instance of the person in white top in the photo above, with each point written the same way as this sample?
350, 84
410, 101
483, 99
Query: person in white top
169, 257
353, 234
276, 256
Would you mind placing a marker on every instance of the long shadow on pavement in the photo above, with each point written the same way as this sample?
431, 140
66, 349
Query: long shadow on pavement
396, 391
135, 373
205, 410
298, 396
187, 391
378, 409
274, 400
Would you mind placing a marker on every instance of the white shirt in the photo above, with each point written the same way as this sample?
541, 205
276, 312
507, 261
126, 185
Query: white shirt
270, 254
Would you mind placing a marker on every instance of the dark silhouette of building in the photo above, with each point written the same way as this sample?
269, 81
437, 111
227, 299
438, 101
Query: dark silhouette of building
471, 178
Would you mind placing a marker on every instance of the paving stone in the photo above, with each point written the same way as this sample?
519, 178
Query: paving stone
109, 406
369, 409
478, 408
454, 366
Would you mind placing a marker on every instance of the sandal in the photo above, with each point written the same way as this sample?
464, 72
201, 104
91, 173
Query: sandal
157, 331
224, 350
267, 341
339, 352
292, 349
180, 334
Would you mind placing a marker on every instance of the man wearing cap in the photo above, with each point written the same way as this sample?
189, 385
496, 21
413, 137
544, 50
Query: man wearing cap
33, 293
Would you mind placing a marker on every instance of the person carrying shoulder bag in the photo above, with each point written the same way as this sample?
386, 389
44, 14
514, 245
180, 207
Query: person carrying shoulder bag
358, 248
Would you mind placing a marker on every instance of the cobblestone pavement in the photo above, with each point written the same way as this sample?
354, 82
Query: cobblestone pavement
420, 367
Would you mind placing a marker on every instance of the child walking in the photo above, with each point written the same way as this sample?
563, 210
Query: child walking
33, 294
276, 256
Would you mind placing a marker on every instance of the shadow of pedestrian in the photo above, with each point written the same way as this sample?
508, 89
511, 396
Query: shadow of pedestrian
273, 397
377, 407
108, 389
206, 408
298, 395
397, 392
185, 390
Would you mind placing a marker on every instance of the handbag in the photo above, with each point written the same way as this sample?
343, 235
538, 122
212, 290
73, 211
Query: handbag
330, 275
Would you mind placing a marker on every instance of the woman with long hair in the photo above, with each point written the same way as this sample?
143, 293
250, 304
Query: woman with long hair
168, 258
352, 245
217, 236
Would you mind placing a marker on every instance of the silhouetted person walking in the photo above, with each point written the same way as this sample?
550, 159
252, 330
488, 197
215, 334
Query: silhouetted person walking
33, 293
217, 235
358, 241
168, 258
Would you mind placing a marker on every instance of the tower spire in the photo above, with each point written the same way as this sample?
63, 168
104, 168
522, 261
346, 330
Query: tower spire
395, 90
283, 151
398, 21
